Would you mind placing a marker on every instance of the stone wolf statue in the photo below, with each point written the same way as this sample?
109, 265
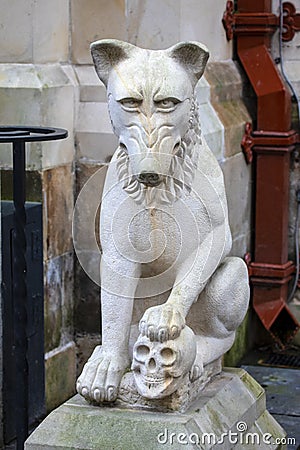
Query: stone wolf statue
163, 227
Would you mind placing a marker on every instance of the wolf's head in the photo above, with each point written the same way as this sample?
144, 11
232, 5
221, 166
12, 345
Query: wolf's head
150, 98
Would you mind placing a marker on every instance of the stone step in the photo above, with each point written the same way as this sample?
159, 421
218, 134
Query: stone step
229, 413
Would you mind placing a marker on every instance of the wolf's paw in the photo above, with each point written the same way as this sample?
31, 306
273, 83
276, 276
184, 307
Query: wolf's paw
101, 376
162, 323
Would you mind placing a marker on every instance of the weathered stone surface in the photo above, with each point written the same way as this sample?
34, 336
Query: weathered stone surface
58, 201
50, 37
212, 129
232, 400
233, 115
33, 185
291, 48
133, 21
60, 375
86, 217
86, 302
237, 176
50, 93
58, 300
91, 88
224, 80
92, 20
85, 169
202, 91
180, 400
85, 343
145, 32
226, 96
94, 136
42, 31
83, 217
162, 182
87, 293
295, 309
16, 17
197, 24
241, 344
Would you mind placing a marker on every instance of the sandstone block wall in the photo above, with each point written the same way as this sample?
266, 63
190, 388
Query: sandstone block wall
47, 78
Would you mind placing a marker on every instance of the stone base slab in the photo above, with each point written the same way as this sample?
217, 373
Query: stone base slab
229, 413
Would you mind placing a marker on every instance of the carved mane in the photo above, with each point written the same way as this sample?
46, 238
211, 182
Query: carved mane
182, 169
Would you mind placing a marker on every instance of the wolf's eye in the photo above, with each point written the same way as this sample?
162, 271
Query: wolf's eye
167, 104
130, 103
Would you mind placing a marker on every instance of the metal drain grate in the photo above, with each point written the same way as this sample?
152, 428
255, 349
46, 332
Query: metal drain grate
281, 360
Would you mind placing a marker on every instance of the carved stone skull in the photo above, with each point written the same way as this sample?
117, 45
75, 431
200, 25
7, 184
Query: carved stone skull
159, 368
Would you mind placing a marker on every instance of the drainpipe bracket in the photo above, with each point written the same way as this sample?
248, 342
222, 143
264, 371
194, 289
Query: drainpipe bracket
264, 273
260, 22
267, 142
269, 147
275, 139
228, 20
247, 143
291, 21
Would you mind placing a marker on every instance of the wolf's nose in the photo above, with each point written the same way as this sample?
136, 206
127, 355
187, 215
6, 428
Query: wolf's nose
149, 178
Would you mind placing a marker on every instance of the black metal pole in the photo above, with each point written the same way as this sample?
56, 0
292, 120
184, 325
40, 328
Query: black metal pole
20, 294
18, 136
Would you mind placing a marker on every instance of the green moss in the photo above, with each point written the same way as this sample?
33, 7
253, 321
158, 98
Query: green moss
240, 346
252, 385
60, 372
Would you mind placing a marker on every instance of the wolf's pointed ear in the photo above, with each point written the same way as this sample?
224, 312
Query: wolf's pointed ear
107, 53
192, 55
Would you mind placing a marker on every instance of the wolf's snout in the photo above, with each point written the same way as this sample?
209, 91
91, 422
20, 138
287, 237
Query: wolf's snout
149, 178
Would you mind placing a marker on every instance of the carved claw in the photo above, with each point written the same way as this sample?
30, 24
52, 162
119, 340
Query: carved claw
195, 373
196, 370
162, 323
101, 376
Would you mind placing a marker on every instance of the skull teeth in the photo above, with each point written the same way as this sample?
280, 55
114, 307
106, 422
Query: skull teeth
154, 379
152, 382
152, 385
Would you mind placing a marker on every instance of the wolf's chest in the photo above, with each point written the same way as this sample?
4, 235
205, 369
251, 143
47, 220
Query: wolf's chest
160, 238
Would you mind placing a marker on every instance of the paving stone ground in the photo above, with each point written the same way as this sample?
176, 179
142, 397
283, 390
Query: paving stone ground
282, 388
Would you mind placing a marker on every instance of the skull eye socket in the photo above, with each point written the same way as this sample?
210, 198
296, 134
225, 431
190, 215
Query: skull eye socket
168, 356
142, 351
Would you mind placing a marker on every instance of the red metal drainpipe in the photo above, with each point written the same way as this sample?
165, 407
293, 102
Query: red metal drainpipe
273, 141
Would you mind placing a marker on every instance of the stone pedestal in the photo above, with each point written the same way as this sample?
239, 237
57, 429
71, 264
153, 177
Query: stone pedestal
229, 413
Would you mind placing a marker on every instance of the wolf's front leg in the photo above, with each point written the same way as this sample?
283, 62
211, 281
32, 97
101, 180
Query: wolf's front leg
222, 307
164, 322
102, 374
